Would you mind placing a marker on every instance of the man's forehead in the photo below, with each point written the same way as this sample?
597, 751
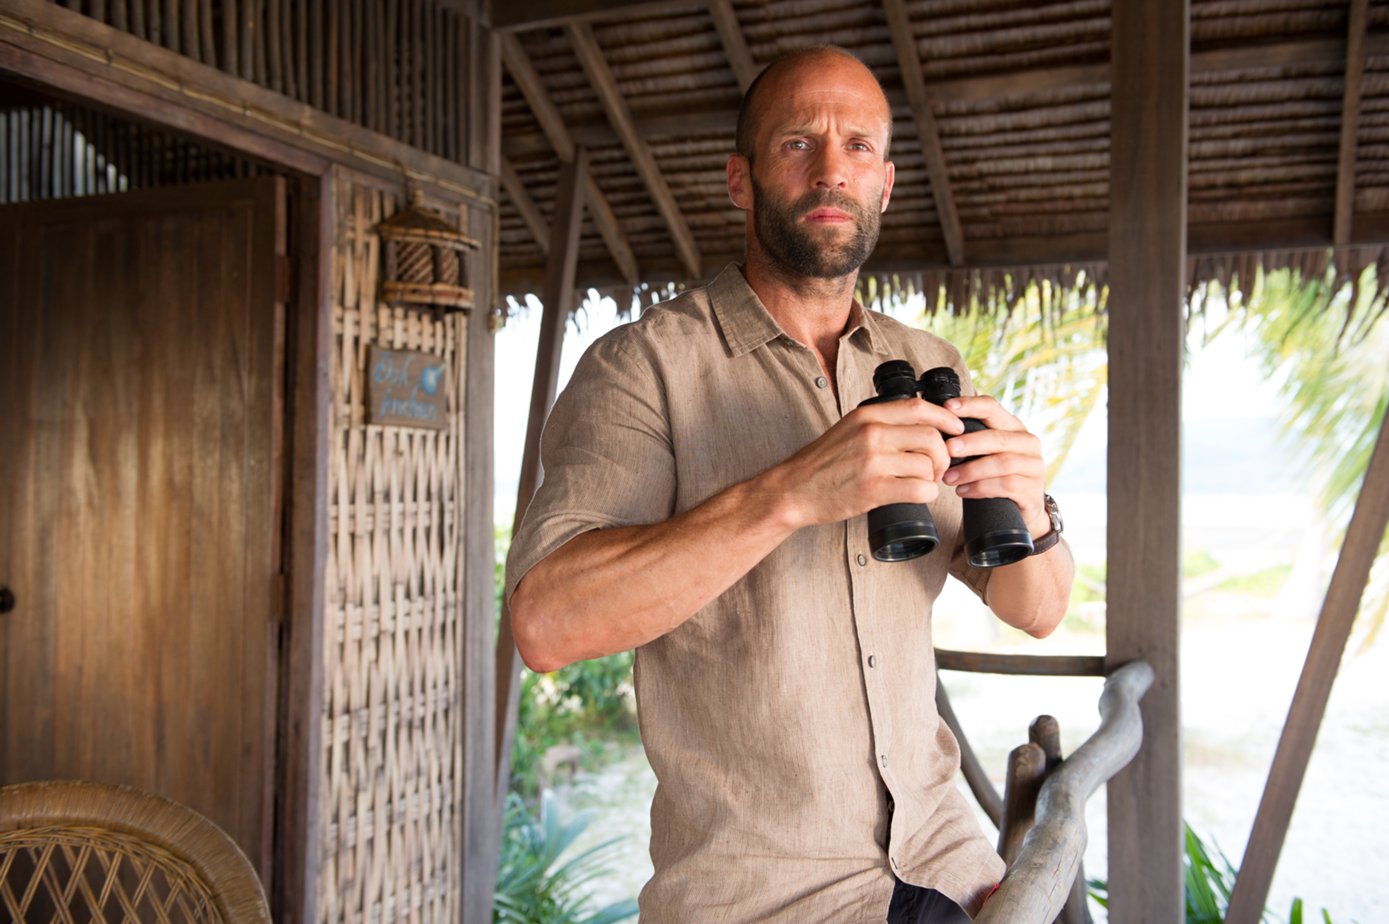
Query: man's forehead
830, 86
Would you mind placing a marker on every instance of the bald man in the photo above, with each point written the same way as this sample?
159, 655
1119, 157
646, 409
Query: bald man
707, 472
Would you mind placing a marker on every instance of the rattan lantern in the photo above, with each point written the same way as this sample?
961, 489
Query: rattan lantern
426, 260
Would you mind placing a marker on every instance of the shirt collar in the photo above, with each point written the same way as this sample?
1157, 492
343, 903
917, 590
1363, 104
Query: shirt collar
747, 325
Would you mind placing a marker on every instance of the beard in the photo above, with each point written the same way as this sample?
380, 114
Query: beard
805, 250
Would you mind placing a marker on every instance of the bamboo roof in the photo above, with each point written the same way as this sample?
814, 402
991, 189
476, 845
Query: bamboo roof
1006, 177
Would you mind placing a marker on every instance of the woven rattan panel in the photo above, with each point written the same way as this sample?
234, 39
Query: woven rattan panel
392, 769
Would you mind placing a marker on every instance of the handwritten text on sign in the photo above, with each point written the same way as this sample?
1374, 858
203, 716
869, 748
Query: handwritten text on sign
406, 388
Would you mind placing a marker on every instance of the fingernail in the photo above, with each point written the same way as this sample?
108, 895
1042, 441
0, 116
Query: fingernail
950, 477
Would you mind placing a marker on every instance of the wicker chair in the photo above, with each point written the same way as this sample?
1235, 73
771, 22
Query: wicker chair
89, 852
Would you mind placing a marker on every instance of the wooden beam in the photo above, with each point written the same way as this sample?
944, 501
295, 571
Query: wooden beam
558, 297
540, 14
482, 820
601, 211
1230, 239
735, 46
1350, 121
1358, 552
532, 86
620, 117
984, 662
928, 132
519, 65
1147, 279
530, 212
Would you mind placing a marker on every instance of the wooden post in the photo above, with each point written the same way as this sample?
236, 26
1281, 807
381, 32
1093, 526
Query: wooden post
1367, 525
1147, 271
560, 271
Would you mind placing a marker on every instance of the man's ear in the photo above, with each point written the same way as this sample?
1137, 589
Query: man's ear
889, 176
739, 172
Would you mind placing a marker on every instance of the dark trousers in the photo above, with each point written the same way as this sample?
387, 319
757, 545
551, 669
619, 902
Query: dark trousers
915, 905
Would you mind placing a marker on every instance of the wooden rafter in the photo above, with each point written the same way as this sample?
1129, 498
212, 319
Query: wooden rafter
928, 132
735, 46
620, 117
519, 65
1350, 121
530, 212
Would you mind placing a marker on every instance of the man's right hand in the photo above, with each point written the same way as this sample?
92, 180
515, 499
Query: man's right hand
877, 454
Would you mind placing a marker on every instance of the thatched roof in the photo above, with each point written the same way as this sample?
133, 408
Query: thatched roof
1020, 98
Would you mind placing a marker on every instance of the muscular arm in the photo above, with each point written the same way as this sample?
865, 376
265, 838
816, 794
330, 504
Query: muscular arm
1032, 594
608, 590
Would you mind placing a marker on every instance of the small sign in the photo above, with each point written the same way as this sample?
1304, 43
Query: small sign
406, 388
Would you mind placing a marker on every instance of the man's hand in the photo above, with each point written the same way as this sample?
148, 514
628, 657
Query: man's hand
888, 453
1009, 462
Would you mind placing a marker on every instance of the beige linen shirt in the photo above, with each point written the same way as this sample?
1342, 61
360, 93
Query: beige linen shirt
791, 723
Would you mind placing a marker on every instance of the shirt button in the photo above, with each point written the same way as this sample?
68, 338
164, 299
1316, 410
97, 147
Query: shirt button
821, 382
883, 759
862, 559
873, 662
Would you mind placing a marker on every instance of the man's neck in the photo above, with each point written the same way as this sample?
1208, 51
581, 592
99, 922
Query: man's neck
814, 312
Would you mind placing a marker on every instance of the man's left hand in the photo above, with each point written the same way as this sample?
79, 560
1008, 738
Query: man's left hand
1009, 462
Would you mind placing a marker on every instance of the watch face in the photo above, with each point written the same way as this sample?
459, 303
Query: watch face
1054, 512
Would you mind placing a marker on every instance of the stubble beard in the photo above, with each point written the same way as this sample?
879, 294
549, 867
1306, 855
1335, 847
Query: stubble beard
802, 250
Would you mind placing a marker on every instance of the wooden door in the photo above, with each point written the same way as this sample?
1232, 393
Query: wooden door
140, 495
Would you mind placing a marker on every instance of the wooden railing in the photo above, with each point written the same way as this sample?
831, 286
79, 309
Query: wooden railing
1041, 875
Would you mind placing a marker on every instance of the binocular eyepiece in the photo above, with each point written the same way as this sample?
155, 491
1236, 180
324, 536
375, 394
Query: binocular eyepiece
995, 533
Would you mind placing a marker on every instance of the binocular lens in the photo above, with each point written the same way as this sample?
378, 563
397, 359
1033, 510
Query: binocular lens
900, 532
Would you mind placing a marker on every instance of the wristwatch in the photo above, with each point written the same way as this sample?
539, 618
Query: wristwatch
1048, 539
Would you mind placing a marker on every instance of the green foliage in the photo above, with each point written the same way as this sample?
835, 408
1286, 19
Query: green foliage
1048, 371
1209, 879
1266, 583
538, 882
578, 704
1196, 562
1326, 346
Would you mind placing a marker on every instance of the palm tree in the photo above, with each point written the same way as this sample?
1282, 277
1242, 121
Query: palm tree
1327, 344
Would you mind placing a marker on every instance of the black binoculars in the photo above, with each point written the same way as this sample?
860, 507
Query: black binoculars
995, 533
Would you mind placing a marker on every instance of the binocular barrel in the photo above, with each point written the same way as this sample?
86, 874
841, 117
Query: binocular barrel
994, 531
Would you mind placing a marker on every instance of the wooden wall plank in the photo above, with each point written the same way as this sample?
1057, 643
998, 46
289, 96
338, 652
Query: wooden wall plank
299, 845
1147, 272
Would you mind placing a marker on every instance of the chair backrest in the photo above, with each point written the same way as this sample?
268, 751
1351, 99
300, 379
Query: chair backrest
90, 852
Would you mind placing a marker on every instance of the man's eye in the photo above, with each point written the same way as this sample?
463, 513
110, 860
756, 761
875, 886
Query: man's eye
798, 145
859, 146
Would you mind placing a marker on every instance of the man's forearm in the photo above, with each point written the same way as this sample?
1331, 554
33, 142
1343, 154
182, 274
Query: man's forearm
1032, 595
609, 590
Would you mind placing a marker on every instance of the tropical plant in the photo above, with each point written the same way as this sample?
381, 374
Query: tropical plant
1048, 369
1326, 344
1209, 880
540, 880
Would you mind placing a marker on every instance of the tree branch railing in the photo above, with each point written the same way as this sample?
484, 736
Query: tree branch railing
1040, 877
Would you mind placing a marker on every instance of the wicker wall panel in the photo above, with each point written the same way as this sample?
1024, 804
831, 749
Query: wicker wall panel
393, 643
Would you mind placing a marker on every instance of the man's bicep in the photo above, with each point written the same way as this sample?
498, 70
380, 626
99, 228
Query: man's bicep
606, 456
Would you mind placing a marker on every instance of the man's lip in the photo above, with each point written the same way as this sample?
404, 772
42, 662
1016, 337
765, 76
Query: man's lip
828, 214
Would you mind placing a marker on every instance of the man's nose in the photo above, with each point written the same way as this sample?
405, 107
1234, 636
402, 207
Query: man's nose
829, 169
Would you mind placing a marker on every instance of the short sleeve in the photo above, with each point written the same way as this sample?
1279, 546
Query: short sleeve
606, 454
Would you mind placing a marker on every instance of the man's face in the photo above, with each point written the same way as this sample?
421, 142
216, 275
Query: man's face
819, 179
806, 245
